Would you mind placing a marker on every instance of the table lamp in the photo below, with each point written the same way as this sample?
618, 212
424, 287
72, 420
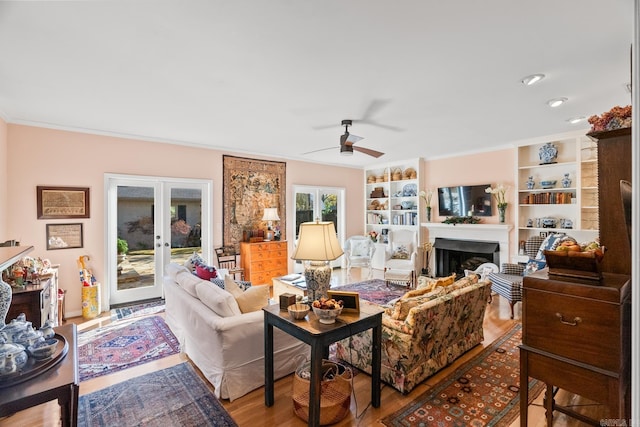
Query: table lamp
317, 245
270, 215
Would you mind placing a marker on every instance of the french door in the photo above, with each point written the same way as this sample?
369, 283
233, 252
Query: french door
161, 220
322, 203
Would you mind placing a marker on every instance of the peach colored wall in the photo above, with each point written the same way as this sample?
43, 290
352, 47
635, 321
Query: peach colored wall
61, 158
494, 167
3, 182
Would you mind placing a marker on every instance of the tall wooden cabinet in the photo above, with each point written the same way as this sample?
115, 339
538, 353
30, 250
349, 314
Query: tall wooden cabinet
614, 164
262, 261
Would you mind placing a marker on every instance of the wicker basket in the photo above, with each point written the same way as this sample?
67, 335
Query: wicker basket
409, 173
396, 174
335, 392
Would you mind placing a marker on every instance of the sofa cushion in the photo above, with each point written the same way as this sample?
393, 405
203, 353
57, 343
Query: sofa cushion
401, 308
401, 250
188, 282
206, 272
218, 300
462, 283
174, 269
253, 299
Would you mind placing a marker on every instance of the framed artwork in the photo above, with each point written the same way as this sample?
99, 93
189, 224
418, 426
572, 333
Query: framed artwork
351, 300
62, 202
250, 186
64, 236
543, 234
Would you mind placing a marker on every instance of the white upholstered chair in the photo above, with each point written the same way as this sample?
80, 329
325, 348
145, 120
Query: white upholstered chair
358, 251
401, 257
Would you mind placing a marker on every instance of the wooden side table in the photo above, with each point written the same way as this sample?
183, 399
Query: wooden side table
319, 336
60, 382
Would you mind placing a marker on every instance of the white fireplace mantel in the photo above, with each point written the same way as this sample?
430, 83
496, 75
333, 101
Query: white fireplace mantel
482, 232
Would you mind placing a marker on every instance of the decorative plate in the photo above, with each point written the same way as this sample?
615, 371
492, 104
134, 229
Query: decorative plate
410, 190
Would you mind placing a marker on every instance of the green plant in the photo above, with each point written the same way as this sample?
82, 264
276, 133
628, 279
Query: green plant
123, 246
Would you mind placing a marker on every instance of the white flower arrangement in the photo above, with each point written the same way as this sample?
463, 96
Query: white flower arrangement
500, 194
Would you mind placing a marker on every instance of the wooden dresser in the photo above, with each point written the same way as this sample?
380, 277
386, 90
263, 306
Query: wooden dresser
576, 336
263, 261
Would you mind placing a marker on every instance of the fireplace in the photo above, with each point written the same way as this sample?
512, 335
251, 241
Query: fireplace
455, 256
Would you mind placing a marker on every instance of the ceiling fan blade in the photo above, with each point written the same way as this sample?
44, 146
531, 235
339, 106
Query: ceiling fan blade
374, 106
322, 149
380, 125
354, 138
368, 151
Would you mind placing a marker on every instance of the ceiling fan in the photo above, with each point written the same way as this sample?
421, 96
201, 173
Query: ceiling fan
346, 143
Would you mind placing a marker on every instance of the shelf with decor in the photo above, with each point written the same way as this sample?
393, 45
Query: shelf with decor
392, 199
556, 187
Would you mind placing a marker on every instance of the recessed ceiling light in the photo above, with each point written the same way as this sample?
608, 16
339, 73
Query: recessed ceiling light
576, 120
532, 79
556, 102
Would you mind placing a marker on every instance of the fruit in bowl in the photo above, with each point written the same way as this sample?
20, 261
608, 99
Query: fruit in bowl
327, 309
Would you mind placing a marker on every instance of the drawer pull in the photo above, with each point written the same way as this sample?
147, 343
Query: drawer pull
575, 322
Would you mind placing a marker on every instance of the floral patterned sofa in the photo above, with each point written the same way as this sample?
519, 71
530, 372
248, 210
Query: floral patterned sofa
423, 331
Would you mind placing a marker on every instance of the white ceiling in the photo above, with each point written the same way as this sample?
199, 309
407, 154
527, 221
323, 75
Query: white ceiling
276, 77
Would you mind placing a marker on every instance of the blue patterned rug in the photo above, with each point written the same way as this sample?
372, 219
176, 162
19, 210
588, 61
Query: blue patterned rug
175, 396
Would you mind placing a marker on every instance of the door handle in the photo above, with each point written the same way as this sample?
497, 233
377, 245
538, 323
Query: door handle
166, 244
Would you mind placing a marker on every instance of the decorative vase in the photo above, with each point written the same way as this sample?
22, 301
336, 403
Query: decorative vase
502, 210
566, 181
530, 183
548, 153
5, 301
428, 213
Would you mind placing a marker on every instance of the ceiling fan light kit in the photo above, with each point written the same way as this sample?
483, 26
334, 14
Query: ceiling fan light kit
346, 150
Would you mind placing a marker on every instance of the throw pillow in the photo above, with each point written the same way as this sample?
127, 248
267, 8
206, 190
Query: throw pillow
428, 284
401, 250
253, 299
206, 272
188, 282
192, 261
359, 248
550, 243
402, 307
218, 300
232, 287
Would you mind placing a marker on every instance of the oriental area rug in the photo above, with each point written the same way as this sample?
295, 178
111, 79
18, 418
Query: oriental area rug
482, 392
375, 290
175, 396
123, 345
137, 310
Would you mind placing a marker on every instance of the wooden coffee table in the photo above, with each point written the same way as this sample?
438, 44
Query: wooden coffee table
319, 336
59, 382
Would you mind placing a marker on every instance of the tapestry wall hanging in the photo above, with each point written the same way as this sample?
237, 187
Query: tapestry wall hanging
250, 186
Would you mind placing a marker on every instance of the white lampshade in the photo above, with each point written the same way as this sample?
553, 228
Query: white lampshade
270, 214
317, 242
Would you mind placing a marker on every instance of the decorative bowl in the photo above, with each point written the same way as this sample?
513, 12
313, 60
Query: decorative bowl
548, 184
407, 204
327, 316
298, 310
43, 349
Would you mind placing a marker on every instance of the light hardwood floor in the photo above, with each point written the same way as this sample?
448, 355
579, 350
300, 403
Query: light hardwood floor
250, 410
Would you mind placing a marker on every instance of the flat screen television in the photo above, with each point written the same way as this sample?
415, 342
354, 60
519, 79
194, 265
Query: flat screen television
464, 200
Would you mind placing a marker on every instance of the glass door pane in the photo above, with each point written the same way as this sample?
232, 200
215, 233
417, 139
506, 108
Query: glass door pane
185, 221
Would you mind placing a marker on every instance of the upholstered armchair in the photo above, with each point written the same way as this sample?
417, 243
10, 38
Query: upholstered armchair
401, 257
508, 282
358, 251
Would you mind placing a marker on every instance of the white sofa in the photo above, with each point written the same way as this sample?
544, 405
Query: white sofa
228, 350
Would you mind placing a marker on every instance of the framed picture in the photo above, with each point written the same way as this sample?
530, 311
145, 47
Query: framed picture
62, 202
64, 236
351, 300
543, 234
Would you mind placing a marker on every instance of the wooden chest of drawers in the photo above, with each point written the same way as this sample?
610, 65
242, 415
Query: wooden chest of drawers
263, 261
576, 336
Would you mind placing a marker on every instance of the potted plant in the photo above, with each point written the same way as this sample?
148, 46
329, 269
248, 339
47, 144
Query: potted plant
123, 248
